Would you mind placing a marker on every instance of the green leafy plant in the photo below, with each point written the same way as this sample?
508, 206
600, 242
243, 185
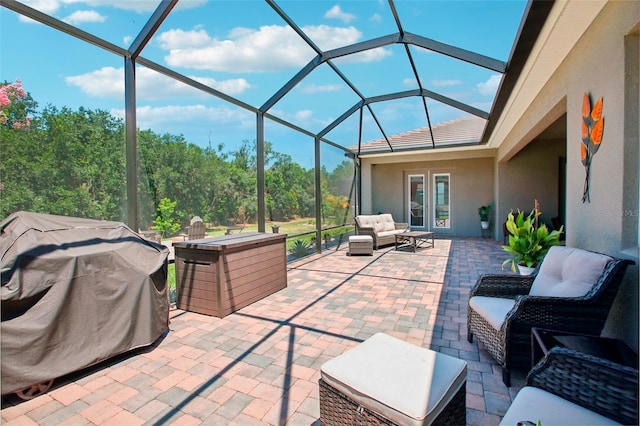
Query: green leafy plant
528, 241
171, 282
164, 221
300, 248
484, 212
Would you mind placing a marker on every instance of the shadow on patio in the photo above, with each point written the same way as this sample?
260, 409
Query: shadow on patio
261, 365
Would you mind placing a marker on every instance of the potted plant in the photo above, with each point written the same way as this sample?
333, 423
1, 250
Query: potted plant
483, 212
528, 241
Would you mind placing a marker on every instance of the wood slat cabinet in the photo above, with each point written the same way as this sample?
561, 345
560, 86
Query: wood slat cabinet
217, 276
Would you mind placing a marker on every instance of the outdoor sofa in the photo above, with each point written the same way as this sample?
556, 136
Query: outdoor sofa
381, 227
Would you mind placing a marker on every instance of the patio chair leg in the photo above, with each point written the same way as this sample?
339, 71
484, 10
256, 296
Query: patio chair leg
506, 377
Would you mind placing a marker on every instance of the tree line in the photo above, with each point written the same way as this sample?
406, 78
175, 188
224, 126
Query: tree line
72, 162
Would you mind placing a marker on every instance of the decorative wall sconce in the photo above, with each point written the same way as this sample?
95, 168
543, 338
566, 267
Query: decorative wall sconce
592, 129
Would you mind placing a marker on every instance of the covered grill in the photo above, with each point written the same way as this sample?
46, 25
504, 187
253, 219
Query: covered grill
75, 292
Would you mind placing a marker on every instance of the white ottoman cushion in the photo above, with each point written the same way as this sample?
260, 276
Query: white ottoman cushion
535, 404
361, 239
405, 383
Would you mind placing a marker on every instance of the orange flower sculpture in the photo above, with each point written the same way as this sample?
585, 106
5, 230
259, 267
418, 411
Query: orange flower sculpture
592, 129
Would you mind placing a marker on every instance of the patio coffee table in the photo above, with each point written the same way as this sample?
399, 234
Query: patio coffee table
415, 239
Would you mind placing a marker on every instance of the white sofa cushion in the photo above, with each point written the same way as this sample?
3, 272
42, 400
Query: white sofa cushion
405, 383
365, 221
535, 404
568, 272
492, 309
378, 224
387, 233
387, 222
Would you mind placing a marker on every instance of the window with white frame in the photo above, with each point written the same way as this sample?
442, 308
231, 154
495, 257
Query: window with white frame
441, 200
416, 198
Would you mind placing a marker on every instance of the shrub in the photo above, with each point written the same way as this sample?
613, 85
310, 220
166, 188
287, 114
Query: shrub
164, 221
300, 248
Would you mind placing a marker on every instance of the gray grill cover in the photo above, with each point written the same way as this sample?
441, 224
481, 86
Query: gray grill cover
75, 292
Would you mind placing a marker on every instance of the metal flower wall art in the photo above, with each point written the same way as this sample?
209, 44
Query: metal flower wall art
592, 129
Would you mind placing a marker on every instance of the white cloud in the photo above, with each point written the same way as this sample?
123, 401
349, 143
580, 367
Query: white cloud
446, 83
313, 88
82, 16
376, 17
490, 87
328, 37
336, 13
108, 82
372, 55
46, 6
304, 118
180, 39
270, 48
139, 6
50, 7
157, 118
303, 115
267, 49
409, 82
126, 40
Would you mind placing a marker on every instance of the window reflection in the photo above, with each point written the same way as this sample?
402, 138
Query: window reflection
441, 201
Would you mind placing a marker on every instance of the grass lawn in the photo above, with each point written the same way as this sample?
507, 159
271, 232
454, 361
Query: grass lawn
296, 226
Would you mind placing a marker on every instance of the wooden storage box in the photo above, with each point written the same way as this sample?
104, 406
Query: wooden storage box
217, 276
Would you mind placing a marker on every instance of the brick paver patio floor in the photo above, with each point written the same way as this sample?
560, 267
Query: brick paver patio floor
261, 365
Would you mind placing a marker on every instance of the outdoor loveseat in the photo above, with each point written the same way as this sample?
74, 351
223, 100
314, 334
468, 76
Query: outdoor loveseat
381, 227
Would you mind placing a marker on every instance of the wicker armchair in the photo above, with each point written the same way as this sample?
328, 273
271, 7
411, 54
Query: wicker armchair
594, 384
572, 290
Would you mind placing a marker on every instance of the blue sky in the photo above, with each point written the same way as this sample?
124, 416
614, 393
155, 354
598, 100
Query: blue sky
246, 50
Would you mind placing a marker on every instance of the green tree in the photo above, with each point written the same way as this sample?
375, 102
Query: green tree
165, 221
16, 105
73, 163
67, 163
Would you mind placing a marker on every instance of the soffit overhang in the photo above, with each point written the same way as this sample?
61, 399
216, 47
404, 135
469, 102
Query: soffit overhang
565, 25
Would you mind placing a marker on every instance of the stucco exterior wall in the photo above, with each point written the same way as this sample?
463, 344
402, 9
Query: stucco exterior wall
471, 186
532, 174
599, 65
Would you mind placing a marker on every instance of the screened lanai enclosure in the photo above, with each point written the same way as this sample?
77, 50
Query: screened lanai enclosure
240, 112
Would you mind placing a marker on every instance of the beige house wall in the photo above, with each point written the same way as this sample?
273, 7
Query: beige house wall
471, 186
532, 174
603, 63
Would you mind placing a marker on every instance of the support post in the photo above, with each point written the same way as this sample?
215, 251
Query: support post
131, 143
318, 196
260, 171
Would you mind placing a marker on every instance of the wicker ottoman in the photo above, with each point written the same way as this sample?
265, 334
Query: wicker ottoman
385, 380
361, 244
